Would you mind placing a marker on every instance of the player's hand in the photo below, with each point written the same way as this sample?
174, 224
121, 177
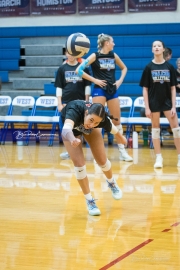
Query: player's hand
148, 113
60, 107
173, 112
101, 83
118, 83
75, 142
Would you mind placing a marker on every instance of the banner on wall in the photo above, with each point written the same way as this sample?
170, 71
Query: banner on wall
151, 5
16, 8
53, 7
101, 6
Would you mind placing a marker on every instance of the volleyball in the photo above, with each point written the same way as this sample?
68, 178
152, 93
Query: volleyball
77, 45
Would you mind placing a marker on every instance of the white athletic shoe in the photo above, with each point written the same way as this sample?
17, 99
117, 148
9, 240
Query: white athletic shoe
159, 162
116, 191
64, 155
178, 164
124, 155
92, 208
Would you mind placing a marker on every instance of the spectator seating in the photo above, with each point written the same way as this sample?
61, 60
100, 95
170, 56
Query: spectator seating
10, 119
44, 102
5, 106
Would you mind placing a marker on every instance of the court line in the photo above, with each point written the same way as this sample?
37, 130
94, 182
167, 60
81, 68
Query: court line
126, 254
134, 249
175, 224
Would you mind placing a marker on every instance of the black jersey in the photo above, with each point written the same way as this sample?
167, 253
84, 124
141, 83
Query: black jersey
75, 110
178, 81
73, 86
103, 67
159, 78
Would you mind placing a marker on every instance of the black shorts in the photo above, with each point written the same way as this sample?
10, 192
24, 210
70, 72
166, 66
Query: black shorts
155, 107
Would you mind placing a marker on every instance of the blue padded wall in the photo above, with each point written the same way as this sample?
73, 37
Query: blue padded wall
4, 76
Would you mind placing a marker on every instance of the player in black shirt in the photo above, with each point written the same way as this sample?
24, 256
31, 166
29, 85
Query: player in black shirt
70, 86
158, 81
103, 64
83, 118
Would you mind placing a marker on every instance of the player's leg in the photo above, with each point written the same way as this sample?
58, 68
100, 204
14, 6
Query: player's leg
114, 109
156, 139
96, 144
77, 156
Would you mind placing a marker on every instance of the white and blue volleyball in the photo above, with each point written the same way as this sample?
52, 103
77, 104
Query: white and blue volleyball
77, 45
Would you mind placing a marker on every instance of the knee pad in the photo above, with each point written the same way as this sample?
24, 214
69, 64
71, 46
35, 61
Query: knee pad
155, 133
120, 128
80, 172
106, 167
176, 132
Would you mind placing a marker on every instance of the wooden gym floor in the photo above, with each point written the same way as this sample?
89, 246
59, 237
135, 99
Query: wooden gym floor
44, 224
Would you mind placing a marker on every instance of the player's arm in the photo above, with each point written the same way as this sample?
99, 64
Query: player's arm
80, 71
67, 133
123, 68
59, 97
87, 92
173, 98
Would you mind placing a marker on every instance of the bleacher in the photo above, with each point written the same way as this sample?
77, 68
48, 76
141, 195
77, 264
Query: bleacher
9, 56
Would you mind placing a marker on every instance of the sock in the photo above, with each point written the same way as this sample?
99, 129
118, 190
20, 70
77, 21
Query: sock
111, 180
158, 155
88, 196
120, 146
179, 156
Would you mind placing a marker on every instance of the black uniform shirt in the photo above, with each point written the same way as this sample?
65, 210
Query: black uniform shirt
103, 67
73, 86
159, 78
75, 111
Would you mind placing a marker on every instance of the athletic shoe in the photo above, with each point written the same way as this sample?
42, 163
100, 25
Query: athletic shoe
124, 155
116, 191
92, 208
64, 155
178, 164
159, 162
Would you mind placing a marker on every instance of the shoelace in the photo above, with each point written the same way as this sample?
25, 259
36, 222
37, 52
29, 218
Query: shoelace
113, 187
91, 203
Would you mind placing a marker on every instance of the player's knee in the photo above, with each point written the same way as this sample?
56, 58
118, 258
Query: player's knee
80, 172
107, 166
176, 132
120, 128
155, 133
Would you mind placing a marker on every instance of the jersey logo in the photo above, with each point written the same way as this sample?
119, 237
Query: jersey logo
71, 76
82, 129
160, 76
107, 63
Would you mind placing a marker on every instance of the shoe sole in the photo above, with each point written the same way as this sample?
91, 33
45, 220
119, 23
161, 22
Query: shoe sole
158, 167
97, 214
128, 160
64, 157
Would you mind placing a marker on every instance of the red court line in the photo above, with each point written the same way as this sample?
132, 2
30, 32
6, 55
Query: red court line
166, 230
126, 254
175, 224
